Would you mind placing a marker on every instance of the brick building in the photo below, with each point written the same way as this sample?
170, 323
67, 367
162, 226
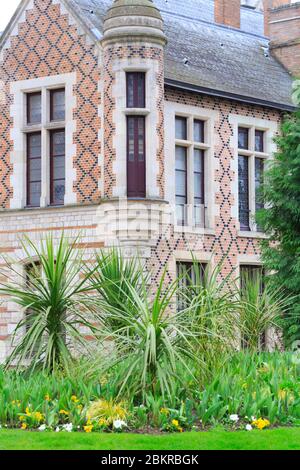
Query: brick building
142, 124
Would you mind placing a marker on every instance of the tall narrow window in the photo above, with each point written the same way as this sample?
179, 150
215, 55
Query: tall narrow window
34, 169
34, 108
244, 213
181, 184
57, 167
136, 165
136, 90
259, 179
57, 105
189, 170
198, 186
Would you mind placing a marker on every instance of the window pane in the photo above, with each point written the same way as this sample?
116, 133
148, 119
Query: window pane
181, 128
243, 142
58, 192
34, 174
244, 193
259, 141
136, 90
199, 187
34, 108
58, 143
180, 184
57, 173
199, 131
57, 105
141, 137
190, 275
259, 179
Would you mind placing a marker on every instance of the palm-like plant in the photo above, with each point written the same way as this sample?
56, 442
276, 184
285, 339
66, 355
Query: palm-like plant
261, 309
53, 296
215, 305
114, 279
160, 340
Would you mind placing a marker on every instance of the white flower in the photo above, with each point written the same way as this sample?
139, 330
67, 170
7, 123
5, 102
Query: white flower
42, 427
68, 427
234, 418
57, 429
253, 418
118, 424
248, 427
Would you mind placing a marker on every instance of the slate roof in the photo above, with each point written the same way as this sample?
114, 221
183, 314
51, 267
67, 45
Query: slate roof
220, 60
207, 57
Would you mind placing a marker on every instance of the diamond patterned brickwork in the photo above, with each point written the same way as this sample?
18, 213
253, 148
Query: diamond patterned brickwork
115, 53
48, 43
225, 244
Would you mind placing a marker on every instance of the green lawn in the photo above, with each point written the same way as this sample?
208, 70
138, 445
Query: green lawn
279, 439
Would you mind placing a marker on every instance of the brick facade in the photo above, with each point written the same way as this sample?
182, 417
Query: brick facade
49, 41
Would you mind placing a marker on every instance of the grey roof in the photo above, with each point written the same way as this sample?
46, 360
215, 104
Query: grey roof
207, 57
221, 60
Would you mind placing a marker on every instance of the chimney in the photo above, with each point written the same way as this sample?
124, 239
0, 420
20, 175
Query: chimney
282, 26
228, 12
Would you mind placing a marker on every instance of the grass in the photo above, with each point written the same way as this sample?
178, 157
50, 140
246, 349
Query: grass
217, 439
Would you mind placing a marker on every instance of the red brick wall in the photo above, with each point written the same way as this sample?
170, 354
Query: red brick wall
282, 25
47, 44
228, 12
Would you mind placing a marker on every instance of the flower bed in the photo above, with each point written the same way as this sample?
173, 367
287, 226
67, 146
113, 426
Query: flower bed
251, 392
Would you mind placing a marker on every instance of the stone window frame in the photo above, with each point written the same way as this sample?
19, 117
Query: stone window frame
211, 186
20, 129
270, 129
151, 114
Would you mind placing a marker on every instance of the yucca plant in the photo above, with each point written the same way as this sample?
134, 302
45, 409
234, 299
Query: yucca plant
114, 278
160, 340
53, 296
215, 305
261, 309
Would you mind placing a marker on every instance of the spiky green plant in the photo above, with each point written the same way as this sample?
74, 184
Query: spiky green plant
114, 278
261, 309
53, 296
160, 340
215, 304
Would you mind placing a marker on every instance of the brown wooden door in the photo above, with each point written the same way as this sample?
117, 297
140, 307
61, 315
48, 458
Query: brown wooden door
136, 157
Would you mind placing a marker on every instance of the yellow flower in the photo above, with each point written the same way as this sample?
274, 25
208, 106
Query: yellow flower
79, 407
180, 429
102, 422
47, 397
24, 426
89, 422
261, 423
88, 428
21, 418
27, 411
164, 411
64, 412
74, 399
38, 416
175, 423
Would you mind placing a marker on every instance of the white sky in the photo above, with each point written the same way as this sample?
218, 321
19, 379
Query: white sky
7, 9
